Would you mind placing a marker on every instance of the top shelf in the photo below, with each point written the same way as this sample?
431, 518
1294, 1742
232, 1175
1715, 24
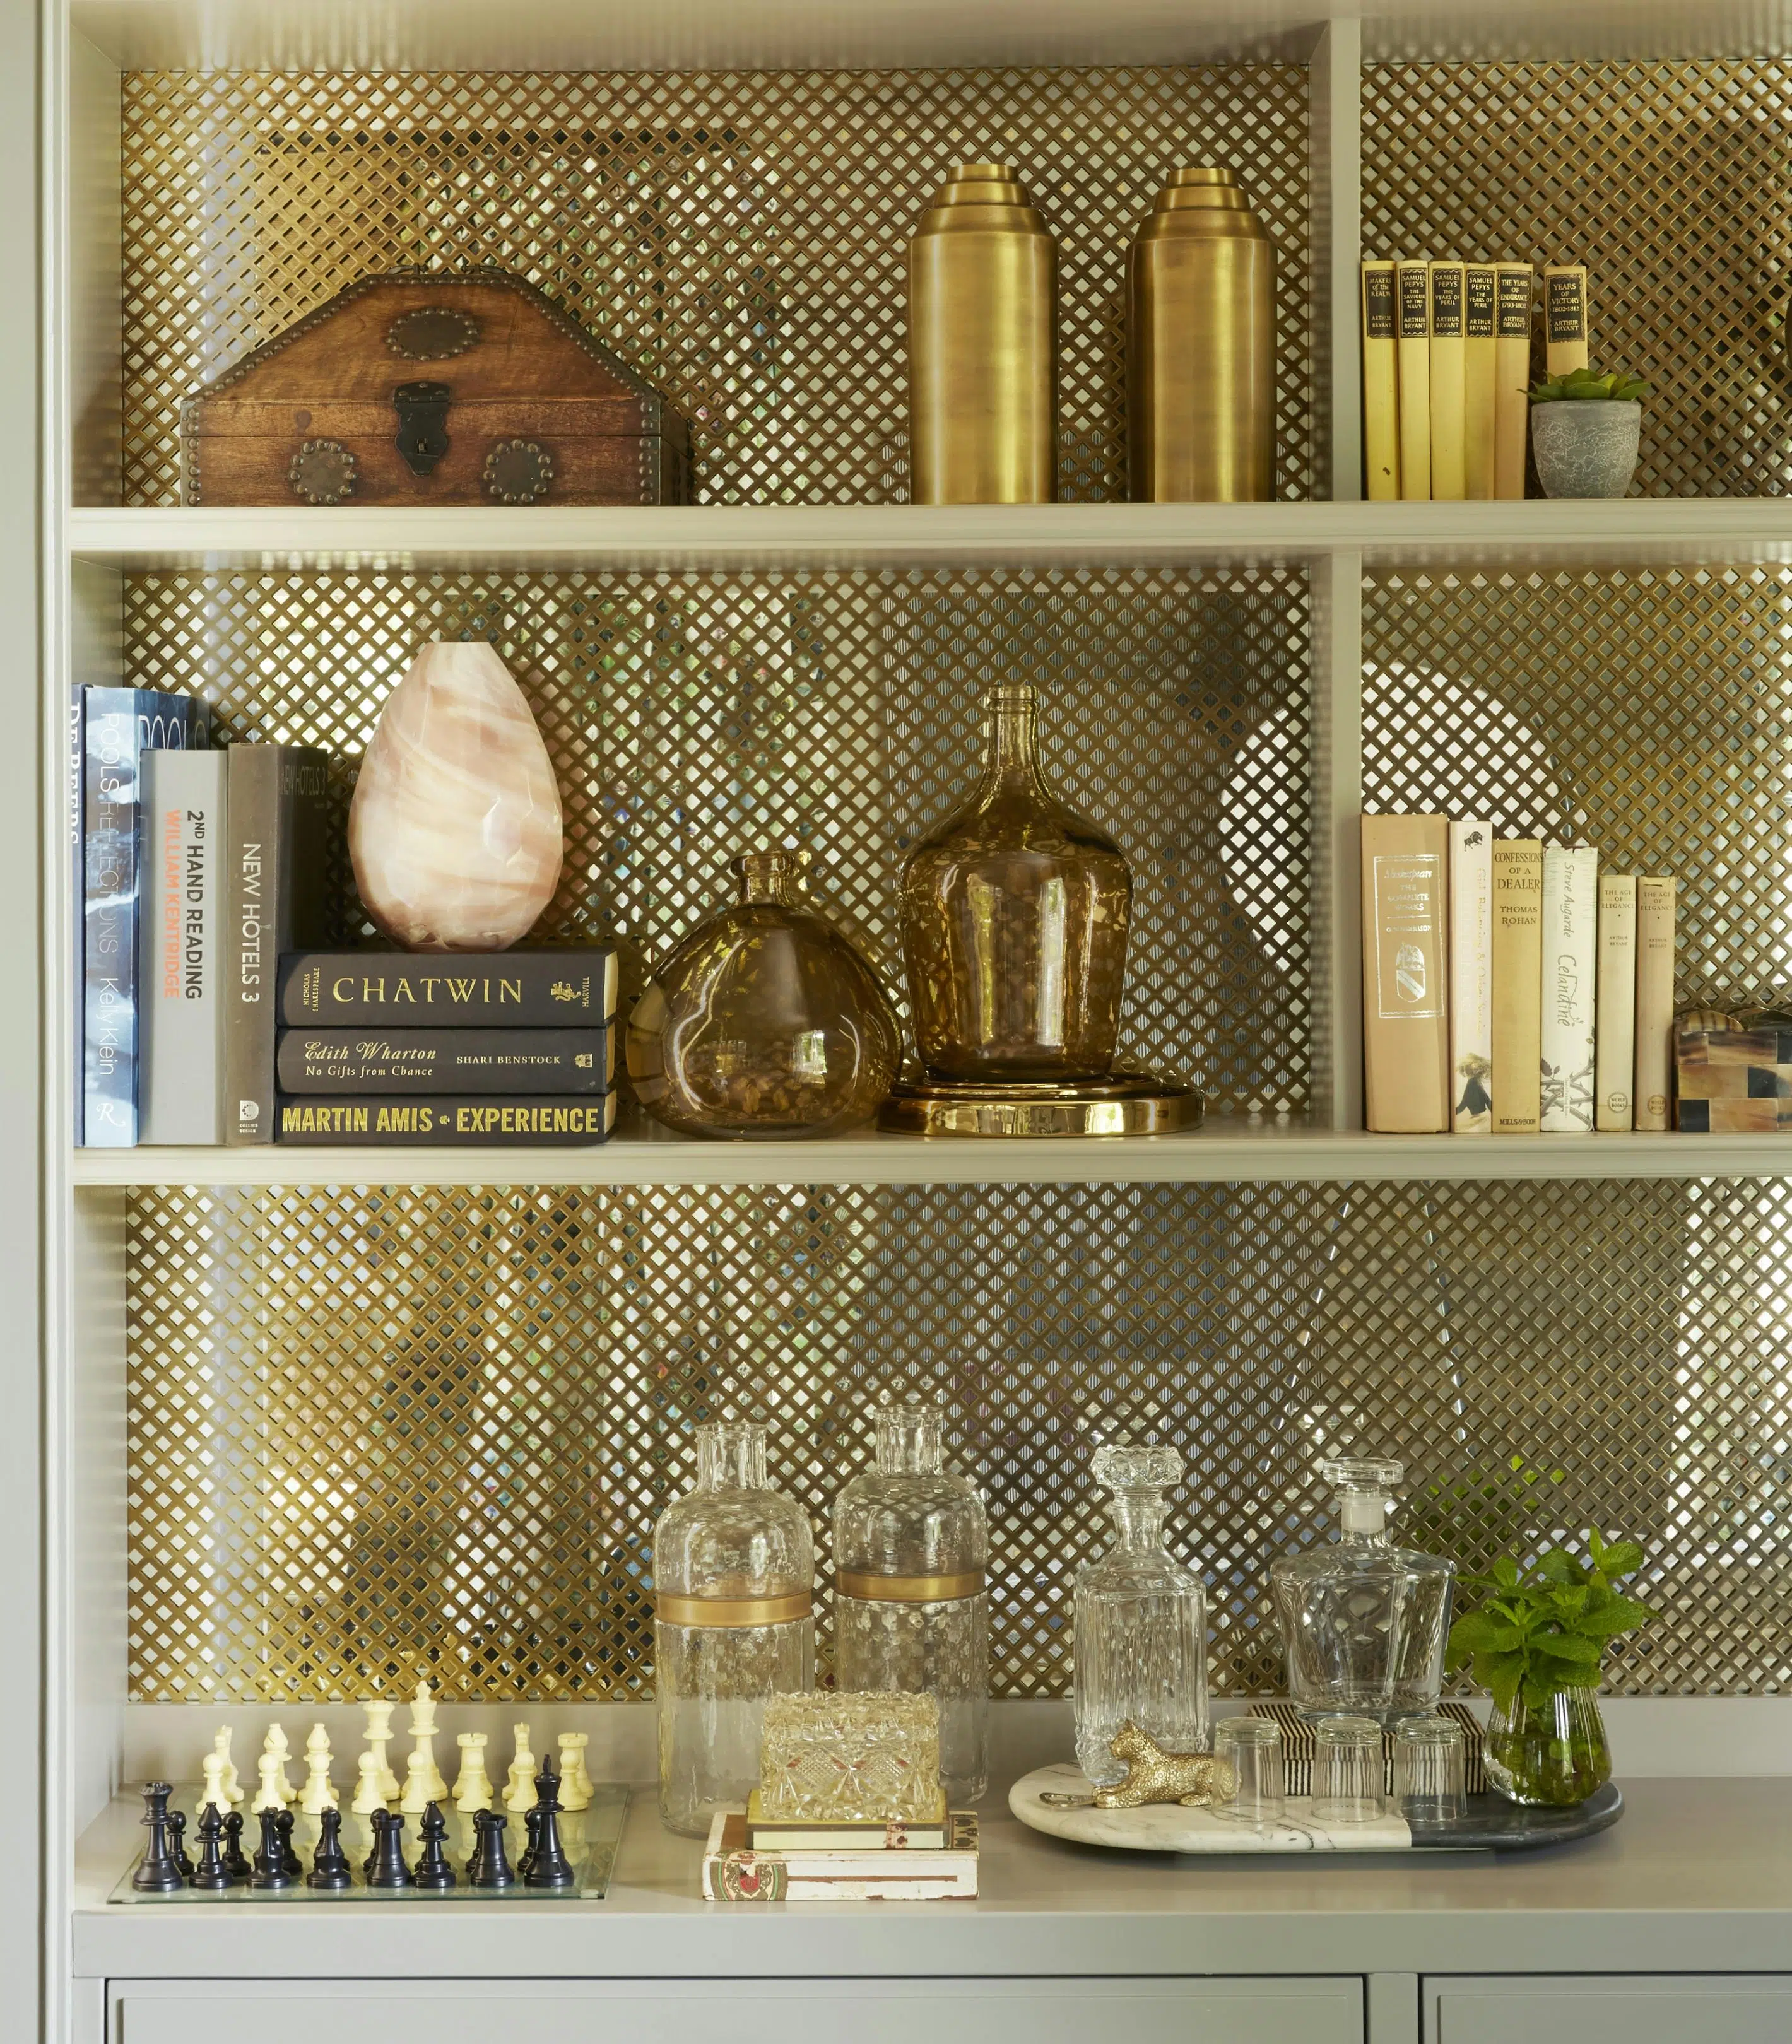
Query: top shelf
734, 539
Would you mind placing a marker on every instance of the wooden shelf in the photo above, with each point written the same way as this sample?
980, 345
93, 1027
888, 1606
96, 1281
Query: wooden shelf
759, 538
1271, 1151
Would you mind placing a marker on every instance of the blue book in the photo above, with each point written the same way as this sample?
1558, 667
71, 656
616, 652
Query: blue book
119, 725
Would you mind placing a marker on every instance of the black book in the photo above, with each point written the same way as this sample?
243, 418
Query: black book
552, 1122
420, 1061
554, 989
279, 897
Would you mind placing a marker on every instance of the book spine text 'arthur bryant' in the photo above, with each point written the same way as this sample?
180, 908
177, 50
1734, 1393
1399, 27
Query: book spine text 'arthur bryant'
180, 1003
1449, 474
1381, 385
1479, 349
1413, 310
1615, 1022
1571, 914
1511, 376
1564, 317
1472, 978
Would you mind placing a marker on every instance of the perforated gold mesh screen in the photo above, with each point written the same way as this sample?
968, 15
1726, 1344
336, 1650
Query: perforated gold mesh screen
1668, 180
377, 1428
740, 239
687, 716
1645, 712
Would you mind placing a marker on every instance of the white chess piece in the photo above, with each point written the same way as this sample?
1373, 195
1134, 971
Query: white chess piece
578, 1742
317, 1795
418, 1793
423, 1708
370, 1789
268, 1796
232, 1787
519, 1789
423, 1731
212, 1767
278, 1750
572, 1797
473, 1790
379, 1730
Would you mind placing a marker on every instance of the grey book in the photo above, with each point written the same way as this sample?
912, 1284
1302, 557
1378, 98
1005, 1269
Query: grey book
180, 1003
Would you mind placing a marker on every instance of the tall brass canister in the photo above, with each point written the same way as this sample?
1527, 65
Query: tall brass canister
1201, 346
982, 345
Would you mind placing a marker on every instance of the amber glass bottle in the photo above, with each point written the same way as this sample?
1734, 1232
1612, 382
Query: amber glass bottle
1015, 913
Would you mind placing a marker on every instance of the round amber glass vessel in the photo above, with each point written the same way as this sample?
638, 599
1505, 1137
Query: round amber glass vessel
766, 1020
1015, 913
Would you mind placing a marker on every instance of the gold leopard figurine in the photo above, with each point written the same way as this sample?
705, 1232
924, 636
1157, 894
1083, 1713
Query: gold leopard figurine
1194, 1780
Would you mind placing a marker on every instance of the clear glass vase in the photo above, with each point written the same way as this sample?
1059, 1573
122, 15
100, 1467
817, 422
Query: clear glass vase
1140, 1623
733, 1582
766, 1020
1362, 1622
1014, 916
1553, 1757
911, 1612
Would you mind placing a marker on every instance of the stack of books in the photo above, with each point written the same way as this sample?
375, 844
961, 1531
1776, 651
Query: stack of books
753, 1859
1446, 372
400, 1048
1509, 987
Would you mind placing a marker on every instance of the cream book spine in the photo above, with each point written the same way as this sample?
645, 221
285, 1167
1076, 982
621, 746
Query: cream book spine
1654, 1090
1381, 385
1449, 477
1511, 376
1614, 1060
1517, 874
1406, 994
1472, 978
1564, 317
1412, 280
1479, 346
1570, 915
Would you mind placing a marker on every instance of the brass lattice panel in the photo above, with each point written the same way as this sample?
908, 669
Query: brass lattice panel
1642, 711
685, 715
739, 238
373, 1428
1668, 180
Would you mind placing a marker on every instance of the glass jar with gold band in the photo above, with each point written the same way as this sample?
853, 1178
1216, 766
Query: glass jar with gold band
734, 1579
911, 1545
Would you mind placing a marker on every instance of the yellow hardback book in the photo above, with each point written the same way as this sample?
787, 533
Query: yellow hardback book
1655, 1000
1412, 282
1564, 317
1517, 985
1512, 375
1406, 973
1449, 476
1381, 385
1478, 347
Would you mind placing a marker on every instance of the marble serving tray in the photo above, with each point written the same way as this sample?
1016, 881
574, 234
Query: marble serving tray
590, 1837
1492, 1824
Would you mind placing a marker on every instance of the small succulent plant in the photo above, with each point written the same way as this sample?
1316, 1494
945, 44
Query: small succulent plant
1617, 386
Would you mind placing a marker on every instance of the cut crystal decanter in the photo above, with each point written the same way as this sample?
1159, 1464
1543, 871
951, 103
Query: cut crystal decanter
1141, 1622
910, 1612
1362, 1622
733, 1581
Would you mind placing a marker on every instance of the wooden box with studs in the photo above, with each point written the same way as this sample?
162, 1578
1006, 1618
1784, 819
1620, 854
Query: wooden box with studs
423, 387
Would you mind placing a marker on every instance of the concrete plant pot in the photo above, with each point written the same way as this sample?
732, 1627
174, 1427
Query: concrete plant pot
1586, 447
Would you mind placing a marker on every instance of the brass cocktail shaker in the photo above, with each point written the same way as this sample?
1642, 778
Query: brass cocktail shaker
982, 345
1201, 346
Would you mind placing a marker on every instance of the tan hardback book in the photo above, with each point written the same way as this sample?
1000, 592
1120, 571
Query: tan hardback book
1472, 978
1412, 306
1406, 989
1614, 1013
1479, 347
1655, 1000
1511, 376
1564, 317
1381, 385
1449, 474
734, 1871
1517, 866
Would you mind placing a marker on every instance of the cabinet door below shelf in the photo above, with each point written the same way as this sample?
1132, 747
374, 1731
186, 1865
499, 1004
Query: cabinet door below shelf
1731, 2009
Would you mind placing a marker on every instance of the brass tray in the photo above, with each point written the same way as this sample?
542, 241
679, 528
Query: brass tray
1123, 1104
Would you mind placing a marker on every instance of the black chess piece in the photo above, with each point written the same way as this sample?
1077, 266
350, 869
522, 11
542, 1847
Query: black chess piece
211, 1874
158, 1873
269, 1867
235, 1860
329, 1863
490, 1866
432, 1868
389, 1868
177, 1834
532, 1824
550, 1868
286, 1823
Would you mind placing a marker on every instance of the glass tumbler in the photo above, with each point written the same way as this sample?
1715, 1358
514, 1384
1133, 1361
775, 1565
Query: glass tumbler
1347, 1771
1430, 1771
1252, 1748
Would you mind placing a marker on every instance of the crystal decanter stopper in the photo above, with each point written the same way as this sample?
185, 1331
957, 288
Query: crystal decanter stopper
1141, 1622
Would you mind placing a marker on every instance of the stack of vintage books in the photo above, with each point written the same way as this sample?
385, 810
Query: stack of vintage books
752, 1858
